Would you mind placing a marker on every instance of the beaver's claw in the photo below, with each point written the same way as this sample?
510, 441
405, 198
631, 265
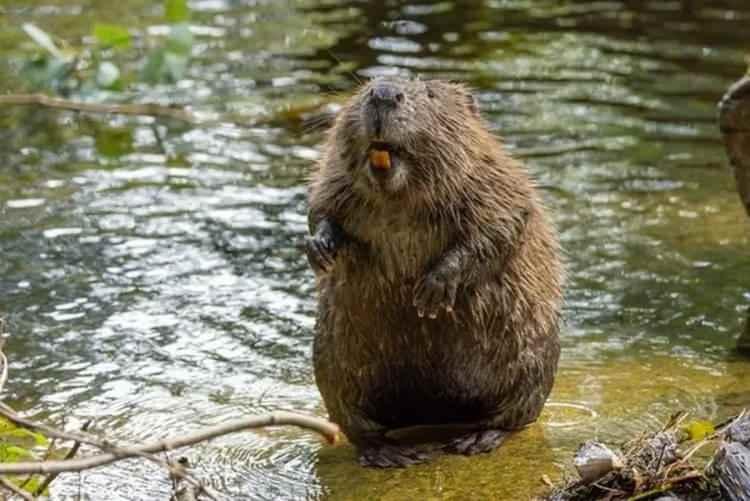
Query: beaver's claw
477, 442
321, 253
435, 292
392, 456
322, 247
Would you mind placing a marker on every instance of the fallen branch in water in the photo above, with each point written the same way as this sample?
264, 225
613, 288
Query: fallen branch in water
111, 452
145, 109
117, 453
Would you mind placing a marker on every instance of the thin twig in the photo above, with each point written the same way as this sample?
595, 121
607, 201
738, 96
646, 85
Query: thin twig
145, 109
70, 455
7, 484
667, 486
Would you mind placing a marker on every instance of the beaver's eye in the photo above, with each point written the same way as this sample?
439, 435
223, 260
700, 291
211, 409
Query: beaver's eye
430, 93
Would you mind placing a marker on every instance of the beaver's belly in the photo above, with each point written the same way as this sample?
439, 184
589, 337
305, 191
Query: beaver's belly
409, 370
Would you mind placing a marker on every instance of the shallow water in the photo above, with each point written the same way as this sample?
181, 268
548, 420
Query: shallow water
161, 288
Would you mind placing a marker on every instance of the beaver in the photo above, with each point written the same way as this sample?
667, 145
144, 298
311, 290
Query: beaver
438, 274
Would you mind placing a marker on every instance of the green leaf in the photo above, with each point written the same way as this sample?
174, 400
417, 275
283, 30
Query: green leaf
112, 35
13, 453
180, 39
698, 429
30, 485
10, 433
176, 11
20, 436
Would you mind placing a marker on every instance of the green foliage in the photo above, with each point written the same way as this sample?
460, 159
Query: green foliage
30, 485
106, 65
10, 433
19, 444
112, 35
698, 429
177, 11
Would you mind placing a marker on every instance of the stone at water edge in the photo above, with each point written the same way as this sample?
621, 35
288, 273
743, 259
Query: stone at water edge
593, 460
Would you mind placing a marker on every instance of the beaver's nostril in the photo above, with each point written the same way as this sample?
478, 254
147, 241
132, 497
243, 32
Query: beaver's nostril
385, 95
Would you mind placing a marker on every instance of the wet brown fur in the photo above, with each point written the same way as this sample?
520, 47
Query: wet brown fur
490, 362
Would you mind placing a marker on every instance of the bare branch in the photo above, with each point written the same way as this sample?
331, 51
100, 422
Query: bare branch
7, 484
146, 109
327, 429
104, 445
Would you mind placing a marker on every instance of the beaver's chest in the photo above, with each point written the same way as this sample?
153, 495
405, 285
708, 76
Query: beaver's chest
393, 246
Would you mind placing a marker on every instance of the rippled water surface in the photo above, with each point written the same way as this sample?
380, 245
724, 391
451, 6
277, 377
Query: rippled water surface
160, 286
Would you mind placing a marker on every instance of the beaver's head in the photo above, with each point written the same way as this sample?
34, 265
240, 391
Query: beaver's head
397, 132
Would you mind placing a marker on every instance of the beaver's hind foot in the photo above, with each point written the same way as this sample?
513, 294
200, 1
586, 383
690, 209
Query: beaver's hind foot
477, 442
392, 456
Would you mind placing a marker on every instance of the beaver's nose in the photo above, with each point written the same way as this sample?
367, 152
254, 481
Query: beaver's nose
385, 95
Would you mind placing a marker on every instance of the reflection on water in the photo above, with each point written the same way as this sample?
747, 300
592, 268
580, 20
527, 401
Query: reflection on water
158, 287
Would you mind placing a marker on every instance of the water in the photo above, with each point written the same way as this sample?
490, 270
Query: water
160, 288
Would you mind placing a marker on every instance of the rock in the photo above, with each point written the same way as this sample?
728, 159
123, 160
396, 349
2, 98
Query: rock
593, 460
739, 431
731, 465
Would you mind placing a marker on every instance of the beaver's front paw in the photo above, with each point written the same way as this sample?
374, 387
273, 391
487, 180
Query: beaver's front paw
435, 292
322, 247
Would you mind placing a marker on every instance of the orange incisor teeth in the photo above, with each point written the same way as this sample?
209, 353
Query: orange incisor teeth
380, 159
